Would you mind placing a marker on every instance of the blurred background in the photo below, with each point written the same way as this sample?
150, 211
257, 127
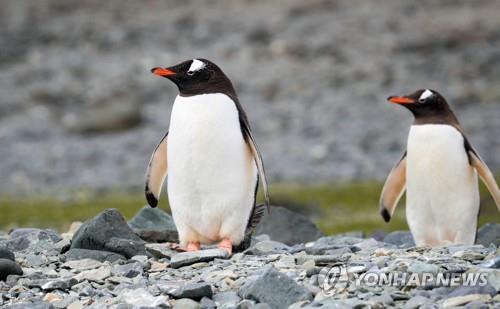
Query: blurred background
80, 112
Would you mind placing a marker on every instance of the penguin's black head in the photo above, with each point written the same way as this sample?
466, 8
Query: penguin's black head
197, 76
423, 102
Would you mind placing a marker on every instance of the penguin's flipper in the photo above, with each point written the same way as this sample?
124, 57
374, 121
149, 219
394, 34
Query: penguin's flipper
260, 167
486, 176
156, 172
393, 189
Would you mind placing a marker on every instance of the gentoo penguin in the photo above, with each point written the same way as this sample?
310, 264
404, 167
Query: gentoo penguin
439, 172
213, 162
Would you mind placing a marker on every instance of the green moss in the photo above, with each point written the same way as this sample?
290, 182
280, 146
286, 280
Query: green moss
335, 208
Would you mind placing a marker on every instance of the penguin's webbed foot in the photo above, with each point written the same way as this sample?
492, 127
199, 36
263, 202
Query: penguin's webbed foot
193, 246
226, 245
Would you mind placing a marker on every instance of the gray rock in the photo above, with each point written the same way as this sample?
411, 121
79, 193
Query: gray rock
195, 291
33, 240
228, 298
207, 303
108, 231
30, 305
477, 304
130, 270
101, 256
186, 303
59, 284
8, 267
140, 298
491, 263
274, 288
478, 289
154, 225
7, 254
489, 234
417, 301
422, 267
188, 258
267, 247
402, 239
160, 250
288, 227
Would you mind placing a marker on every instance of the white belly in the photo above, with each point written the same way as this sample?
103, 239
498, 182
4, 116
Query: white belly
442, 189
211, 172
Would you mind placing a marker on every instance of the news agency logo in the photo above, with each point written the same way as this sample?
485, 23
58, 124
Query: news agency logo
337, 278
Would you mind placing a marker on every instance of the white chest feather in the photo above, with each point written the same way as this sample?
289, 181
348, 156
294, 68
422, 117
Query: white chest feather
211, 170
441, 184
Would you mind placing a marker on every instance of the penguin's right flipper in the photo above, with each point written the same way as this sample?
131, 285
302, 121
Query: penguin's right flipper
156, 172
393, 189
486, 176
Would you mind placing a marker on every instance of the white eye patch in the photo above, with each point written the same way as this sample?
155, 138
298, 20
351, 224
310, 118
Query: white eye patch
427, 93
196, 66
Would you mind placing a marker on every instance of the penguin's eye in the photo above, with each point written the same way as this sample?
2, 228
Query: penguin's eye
190, 73
421, 100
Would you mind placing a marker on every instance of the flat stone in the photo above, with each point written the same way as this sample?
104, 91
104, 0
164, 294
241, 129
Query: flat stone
160, 250
96, 275
462, 300
8, 267
59, 284
142, 298
130, 270
468, 255
189, 258
491, 263
275, 289
287, 226
109, 231
416, 302
83, 264
478, 289
422, 267
101, 256
193, 291
267, 247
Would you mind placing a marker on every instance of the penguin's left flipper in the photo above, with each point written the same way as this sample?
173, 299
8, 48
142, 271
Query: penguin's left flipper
156, 172
393, 189
256, 155
486, 176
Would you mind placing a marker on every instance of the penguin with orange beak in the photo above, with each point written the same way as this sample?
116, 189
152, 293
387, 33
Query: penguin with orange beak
439, 173
211, 159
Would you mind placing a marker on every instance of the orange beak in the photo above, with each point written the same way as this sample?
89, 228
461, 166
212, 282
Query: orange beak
162, 72
400, 100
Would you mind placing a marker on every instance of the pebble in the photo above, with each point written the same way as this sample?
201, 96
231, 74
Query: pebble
8, 267
187, 303
196, 291
189, 258
462, 300
270, 274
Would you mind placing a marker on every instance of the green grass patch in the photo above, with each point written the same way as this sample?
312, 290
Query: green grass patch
335, 208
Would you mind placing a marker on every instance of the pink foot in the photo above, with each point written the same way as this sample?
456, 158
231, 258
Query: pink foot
193, 246
226, 244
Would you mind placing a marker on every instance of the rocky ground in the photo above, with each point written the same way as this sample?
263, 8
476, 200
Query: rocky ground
79, 107
103, 263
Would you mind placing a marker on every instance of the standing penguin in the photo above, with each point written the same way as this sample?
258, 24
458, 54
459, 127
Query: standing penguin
439, 172
212, 160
